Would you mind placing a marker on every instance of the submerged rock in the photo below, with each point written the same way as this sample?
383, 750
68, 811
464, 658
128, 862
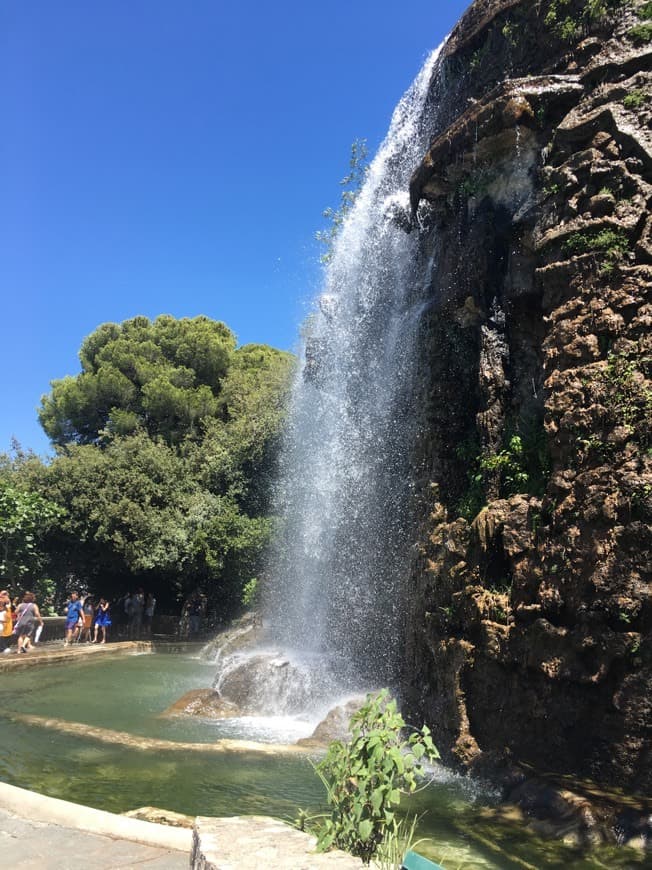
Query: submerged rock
206, 703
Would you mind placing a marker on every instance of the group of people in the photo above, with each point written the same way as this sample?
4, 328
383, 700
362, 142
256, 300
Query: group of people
88, 621
135, 611
21, 620
84, 618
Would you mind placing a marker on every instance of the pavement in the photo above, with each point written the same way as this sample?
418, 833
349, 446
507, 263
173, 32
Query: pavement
33, 845
37, 831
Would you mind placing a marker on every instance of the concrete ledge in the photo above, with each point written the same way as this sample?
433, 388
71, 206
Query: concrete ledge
254, 842
39, 808
48, 654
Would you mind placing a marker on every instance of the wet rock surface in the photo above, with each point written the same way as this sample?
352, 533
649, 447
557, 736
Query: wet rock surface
204, 703
530, 634
334, 726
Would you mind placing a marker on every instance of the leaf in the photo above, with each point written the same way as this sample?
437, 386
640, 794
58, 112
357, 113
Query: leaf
377, 799
364, 829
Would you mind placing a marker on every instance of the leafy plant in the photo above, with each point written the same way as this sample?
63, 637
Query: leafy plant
523, 465
473, 499
509, 32
635, 645
25, 517
569, 20
612, 243
629, 396
251, 593
390, 852
510, 463
635, 100
641, 33
366, 777
351, 184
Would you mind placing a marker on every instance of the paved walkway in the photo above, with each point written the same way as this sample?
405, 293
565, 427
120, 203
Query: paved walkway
54, 652
33, 845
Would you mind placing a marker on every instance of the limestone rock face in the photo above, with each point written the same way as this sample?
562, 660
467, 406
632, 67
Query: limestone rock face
529, 636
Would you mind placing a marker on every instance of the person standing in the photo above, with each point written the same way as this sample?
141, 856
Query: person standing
88, 612
148, 614
136, 618
74, 616
102, 620
6, 621
27, 615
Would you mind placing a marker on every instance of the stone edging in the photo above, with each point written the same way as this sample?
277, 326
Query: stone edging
40, 808
255, 842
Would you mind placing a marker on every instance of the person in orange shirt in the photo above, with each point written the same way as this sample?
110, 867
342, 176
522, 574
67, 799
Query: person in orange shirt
6, 621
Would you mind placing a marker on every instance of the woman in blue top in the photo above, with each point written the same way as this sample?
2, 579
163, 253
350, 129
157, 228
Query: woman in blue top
102, 619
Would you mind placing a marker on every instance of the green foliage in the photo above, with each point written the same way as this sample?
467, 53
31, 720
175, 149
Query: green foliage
641, 34
509, 32
157, 491
351, 185
612, 243
570, 19
475, 183
396, 842
629, 397
641, 501
635, 100
644, 12
366, 777
164, 376
551, 189
473, 499
510, 462
45, 589
251, 593
25, 518
522, 466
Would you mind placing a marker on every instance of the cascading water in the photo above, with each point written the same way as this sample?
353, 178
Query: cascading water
334, 606
335, 579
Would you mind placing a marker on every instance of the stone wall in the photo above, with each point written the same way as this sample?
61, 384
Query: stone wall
529, 633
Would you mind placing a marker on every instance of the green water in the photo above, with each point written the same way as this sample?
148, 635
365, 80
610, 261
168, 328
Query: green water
128, 693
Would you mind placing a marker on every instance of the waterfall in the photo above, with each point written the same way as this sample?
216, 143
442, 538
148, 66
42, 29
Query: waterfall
334, 584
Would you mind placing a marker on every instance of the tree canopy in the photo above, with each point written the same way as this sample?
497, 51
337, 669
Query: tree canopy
164, 376
165, 444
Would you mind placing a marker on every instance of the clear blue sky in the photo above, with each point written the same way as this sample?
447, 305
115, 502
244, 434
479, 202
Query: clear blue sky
174, 156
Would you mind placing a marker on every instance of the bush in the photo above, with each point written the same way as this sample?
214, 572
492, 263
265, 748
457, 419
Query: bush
366, 778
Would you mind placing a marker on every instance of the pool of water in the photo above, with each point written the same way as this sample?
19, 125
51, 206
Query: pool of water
127, 693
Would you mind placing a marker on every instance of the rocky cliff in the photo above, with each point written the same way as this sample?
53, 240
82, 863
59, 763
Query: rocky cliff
529, 635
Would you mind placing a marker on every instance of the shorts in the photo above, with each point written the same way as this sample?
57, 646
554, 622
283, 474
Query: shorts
71, 623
